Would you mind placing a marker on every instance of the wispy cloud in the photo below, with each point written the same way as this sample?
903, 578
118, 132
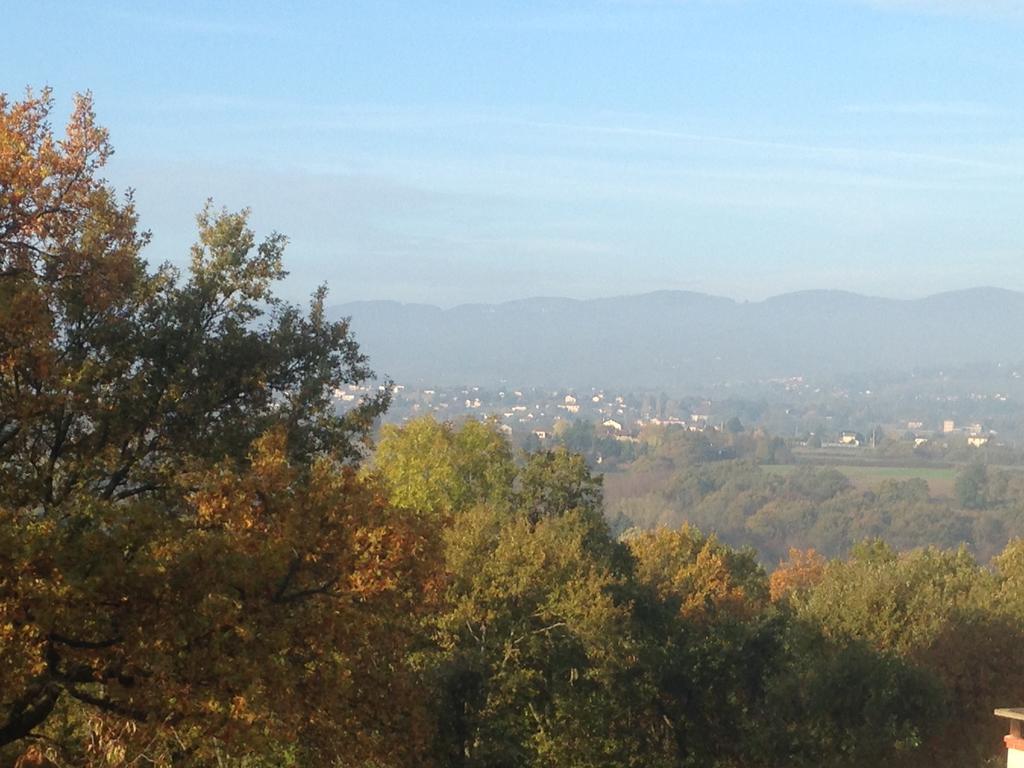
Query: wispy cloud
806, 149
966, 109
959, 7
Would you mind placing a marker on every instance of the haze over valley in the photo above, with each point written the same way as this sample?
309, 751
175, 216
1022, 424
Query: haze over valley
684, 341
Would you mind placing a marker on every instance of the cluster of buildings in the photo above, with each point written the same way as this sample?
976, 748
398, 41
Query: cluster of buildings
976, 435
535, 410
540, 412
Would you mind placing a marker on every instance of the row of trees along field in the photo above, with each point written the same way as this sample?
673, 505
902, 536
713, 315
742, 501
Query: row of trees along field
201, 563
748, 490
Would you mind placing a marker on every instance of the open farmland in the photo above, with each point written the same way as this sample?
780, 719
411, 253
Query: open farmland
940, 479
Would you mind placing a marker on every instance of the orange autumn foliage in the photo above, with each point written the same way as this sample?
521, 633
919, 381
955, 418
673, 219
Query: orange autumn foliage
191, 567
275, 604
705, 578
803, 569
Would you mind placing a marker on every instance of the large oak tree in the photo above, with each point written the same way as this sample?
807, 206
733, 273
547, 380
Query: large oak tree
189, 564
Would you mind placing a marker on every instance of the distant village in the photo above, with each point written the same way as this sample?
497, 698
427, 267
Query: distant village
528, 412
535, 414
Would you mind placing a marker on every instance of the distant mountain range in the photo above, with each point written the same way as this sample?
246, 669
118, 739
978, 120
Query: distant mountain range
678, 339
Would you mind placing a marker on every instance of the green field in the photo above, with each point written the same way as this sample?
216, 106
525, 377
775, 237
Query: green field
940, 479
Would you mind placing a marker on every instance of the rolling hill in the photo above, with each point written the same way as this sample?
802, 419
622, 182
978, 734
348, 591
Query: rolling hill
676, 339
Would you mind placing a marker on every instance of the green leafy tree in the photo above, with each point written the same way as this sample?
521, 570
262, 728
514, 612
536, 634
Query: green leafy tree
188, 563
554, 482
530, 629
935, 611
971, 487
437, 469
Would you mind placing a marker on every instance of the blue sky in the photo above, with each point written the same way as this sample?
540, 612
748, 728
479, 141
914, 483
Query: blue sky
450, 152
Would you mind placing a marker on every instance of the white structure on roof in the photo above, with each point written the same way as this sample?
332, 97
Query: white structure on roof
1014, 740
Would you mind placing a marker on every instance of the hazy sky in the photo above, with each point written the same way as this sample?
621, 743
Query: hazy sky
448, 152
